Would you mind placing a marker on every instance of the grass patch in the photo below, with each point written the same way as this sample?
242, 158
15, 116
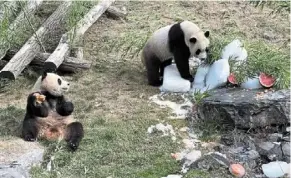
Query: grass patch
267, 59
120, 149
261, 58
276, 6
11, 119
197, 174
75, 14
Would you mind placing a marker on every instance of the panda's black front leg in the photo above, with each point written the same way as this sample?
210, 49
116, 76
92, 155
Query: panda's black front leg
182, 61
64, 108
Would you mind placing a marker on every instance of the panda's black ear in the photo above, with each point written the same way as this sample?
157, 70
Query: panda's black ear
193, 40
206, 34
43, 76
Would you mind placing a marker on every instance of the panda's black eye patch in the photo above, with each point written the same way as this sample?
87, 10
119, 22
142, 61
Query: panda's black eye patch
59, 81
207, 50
198, 52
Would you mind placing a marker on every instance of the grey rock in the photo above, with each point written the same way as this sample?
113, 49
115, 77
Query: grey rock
275, 137
266, 146
253, 154
286, 149
211, 161
244, 109
271, 150
269, 35
286, 138
17, 157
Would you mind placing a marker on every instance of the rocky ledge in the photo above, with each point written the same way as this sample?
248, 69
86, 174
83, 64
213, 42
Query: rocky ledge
247, 108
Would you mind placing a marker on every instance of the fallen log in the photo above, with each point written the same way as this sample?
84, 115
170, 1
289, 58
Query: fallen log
27, 12
70, 64
58, 56
29, 50
115, 12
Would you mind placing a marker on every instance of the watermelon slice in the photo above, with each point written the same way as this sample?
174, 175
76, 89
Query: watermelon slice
267, 80
231, 79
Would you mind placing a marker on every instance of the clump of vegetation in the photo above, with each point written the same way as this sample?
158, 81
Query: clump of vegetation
261, 58
266, 59
277, 6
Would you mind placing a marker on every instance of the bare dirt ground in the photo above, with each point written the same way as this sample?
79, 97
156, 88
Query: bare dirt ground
112, 97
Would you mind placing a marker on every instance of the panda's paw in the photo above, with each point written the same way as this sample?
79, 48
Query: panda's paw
73, 146
191, 79
29, 138
69, 107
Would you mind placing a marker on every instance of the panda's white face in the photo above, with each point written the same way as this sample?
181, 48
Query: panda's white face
54, 84
199, 45
196, 40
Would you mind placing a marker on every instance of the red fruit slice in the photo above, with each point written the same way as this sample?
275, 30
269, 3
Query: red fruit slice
231, 79
267, 80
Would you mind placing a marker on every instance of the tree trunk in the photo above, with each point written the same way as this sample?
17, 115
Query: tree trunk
70, 64
29, 50
29, 10
58, 56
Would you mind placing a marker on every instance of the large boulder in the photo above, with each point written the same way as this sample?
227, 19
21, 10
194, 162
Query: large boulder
246, 108
18, 156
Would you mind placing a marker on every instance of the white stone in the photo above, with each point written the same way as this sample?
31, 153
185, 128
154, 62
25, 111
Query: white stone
189, 159
184, 129
188, 144
276, 169
165, 129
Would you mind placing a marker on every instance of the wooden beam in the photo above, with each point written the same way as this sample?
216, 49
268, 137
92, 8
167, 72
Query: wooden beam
29, 50
62, 50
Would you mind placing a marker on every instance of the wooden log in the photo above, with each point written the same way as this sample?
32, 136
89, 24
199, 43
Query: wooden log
70, 64
115, 12
58, 56
29, 10
29, 50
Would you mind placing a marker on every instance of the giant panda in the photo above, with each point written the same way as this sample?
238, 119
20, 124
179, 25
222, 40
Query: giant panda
49, 114
180, 41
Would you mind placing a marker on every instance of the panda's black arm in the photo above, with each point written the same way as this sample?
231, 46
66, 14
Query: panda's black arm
63, 107
36, 109
181, 58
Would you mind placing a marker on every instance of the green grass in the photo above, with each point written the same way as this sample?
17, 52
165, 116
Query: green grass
268, 59
75, 14
262, 57
111, 99
277, 6
11, 118
197, 174
120, 149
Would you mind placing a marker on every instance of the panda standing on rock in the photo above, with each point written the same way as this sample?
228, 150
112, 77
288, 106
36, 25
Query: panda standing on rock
179, 41
49, 114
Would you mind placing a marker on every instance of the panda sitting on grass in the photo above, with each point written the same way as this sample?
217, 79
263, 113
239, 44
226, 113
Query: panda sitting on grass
49, 114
